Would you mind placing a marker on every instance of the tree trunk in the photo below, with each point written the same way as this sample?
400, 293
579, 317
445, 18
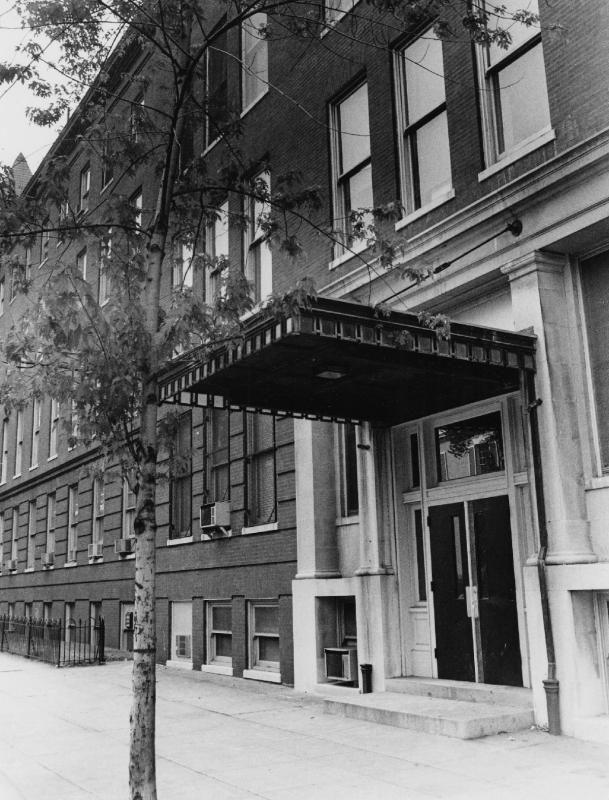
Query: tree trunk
142, 759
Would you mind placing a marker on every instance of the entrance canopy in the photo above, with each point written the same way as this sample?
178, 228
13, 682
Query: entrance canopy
336, 360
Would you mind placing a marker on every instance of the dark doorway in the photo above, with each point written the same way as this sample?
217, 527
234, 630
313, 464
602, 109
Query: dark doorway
450, 573
495, 621
501, 662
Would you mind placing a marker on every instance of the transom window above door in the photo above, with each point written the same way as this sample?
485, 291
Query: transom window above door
469, 447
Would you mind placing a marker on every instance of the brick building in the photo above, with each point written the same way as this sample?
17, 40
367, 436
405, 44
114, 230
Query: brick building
424, 510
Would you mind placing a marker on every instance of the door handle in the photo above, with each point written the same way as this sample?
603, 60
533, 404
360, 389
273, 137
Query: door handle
471, 602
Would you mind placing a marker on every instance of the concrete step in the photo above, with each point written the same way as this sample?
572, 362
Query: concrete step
462, 690
459, 718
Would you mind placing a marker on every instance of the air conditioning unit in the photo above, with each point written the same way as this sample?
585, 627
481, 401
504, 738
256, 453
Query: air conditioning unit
47, 559
341, 663
122, 547
183, 646
71, 556
215, 515
10, 565
96, 550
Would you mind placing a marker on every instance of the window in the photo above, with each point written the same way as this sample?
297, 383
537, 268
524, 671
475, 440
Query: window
420, 554
352, 172
54, 427
95, 612
347, 470
595, 289
98, 510
107, 164
137, 203
50, 543
183, 267
261, 469
2, 293
217, 456
181, 482
181, 632
136, 118
28, 263
333, 10
515, 107
45, 240
28, 610
219, 634
36, 423
258, 267
424, 145
216, 249
4, 464
105, 257
19, 444
217, 96
15, 534
470, 447
72, 523
46, 611
31, 535
1, 539
264, 636
74, 426
346, 622
81, 264
85, 186
69, 622
255, 60
129, 508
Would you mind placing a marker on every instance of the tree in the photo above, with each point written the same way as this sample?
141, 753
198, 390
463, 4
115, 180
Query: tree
102, 357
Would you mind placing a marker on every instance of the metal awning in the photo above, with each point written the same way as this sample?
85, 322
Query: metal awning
336, 360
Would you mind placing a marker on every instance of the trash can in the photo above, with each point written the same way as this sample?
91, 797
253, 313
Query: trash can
366, 678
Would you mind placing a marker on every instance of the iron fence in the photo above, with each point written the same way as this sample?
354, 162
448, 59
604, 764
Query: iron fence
53, 641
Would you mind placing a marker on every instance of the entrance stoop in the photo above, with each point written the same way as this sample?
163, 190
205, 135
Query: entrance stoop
448, 708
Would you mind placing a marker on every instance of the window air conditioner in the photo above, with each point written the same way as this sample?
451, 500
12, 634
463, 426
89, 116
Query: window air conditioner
122, 547
47, 559
215, 515
341, 663
96, 550
183, 646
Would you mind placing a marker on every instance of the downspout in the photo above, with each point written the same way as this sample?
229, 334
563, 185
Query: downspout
550, 684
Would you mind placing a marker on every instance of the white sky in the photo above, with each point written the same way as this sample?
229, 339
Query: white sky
17, 134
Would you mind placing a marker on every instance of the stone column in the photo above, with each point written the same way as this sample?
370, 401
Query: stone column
317, 550
539, 302
368, 482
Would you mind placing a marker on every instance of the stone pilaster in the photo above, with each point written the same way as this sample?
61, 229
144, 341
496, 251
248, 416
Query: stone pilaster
540, 302
317, 550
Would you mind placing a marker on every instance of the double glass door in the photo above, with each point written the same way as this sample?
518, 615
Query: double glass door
474, 593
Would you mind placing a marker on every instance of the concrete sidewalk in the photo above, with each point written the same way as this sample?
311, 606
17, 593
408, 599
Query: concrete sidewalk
64, 735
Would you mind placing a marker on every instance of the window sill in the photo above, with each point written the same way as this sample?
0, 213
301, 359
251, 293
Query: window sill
344, 521
186, 664
262, 675
254, 103
420, 212
96, 560
599, 482
34, 466
217, 669
179, 540
106, 185
524, 148
16, 475
28, 569
69, 564
271, 526
52, 458
356, 250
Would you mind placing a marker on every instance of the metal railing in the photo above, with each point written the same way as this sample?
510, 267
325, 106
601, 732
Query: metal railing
52, 641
